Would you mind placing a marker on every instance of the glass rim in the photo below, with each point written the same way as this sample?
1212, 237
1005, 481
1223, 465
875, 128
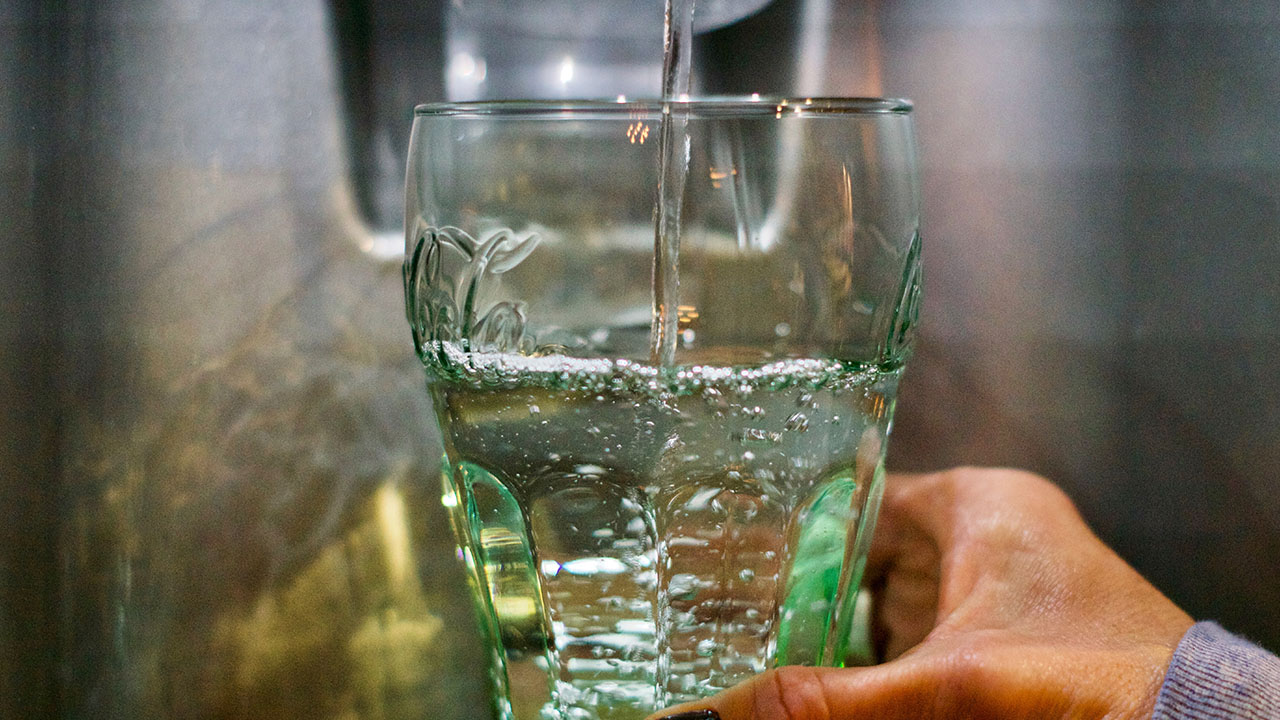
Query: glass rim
710, 106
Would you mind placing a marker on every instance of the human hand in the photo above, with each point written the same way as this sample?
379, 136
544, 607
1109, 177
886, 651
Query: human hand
992, 599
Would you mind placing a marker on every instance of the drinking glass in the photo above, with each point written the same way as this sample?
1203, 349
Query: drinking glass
663, 454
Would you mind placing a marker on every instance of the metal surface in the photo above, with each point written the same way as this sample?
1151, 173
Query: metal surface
1103, 227
216, 485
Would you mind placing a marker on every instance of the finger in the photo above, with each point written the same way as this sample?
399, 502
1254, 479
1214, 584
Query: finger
885, 692
902, 574
895, 529
960, 508
938, 533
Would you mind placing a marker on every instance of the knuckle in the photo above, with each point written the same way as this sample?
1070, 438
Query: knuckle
998, 478
1003, 512
996, 487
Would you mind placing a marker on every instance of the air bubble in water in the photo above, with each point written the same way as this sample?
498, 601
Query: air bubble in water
635, 652
758, 436
683, 586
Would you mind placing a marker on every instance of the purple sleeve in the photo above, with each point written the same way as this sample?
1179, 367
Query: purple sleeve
1216, 675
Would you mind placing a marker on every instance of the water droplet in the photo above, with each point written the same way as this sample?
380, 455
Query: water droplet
706, 648
782, 329
747, 575
534, 409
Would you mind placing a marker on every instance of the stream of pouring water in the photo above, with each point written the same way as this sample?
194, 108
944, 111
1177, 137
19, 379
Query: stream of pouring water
673, 146
673, 150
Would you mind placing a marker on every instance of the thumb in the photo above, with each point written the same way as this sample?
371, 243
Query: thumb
885, 692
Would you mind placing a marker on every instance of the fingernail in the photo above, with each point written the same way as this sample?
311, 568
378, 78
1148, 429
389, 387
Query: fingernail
694, 715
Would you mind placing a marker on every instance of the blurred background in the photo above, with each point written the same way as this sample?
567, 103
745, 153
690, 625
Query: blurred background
218, 490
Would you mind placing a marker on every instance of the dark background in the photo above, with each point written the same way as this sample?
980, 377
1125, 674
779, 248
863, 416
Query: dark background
206, 381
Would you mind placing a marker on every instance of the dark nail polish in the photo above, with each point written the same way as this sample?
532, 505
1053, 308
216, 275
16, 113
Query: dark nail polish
694, 715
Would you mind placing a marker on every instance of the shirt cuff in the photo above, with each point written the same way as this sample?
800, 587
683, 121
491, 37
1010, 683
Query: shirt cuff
1219, 676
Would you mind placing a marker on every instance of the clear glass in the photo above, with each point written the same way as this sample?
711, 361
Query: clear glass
642, 528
